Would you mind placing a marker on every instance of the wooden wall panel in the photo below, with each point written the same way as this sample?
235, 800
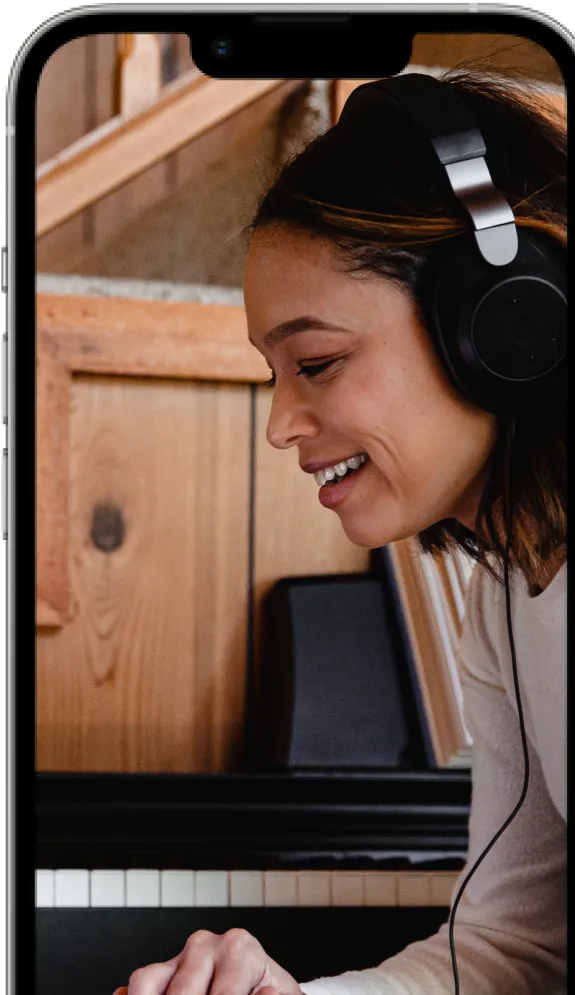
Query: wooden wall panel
150, 673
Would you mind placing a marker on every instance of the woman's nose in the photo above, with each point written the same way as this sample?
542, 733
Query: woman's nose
290, 420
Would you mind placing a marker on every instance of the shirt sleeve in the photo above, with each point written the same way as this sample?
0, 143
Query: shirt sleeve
510, 922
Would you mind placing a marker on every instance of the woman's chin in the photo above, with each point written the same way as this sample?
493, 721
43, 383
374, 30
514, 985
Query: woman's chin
361, 534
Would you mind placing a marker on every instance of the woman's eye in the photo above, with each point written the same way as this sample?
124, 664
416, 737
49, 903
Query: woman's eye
313, 371
306, 371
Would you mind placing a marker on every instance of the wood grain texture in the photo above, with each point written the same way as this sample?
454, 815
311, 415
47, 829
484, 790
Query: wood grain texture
118, 337
53, 605
121, 336
150, 673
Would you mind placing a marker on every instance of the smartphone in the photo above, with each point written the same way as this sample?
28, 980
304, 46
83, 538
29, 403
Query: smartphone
141, 143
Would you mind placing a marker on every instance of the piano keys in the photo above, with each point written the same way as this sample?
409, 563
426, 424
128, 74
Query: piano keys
329, 871
155, 888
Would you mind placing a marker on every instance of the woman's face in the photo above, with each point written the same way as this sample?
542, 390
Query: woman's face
380, 390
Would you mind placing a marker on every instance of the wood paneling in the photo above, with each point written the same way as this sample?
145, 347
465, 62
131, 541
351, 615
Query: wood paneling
53, 605
120, 338
150, 673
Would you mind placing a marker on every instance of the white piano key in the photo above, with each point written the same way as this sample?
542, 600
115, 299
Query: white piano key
212, 888
178, 889
414, 888
314, 888
381, 889
107, 889
142, 888
71, 889
280, 888
44, 889
442, 885
246, 888
348, 888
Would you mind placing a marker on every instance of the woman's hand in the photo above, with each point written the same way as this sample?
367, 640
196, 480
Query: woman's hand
232, 963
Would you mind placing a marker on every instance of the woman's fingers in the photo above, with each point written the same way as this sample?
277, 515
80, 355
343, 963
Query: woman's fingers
234, 963
151, 980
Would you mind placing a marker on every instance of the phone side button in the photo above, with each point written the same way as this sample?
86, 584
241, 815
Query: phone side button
5, 379
4, 270
3, 495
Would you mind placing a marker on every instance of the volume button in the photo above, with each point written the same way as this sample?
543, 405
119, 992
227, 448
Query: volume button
5, 379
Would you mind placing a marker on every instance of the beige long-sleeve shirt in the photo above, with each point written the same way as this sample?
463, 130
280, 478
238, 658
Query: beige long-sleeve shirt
510, 923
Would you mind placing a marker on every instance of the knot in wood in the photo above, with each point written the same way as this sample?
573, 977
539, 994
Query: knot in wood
108, 527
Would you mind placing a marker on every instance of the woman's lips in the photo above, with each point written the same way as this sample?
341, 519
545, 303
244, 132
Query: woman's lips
332, 495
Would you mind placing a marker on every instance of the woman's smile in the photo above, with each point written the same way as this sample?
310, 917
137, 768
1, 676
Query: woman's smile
335, 490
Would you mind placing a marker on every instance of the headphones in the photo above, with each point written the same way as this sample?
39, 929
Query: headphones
494, 299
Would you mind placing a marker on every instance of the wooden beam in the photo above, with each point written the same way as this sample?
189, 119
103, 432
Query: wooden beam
121, 149
142, 338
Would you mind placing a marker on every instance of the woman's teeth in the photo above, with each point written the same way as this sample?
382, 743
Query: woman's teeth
339, 470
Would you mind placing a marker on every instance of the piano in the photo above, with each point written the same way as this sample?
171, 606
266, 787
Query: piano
331, 871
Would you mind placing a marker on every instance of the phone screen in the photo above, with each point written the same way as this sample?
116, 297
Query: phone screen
169, 497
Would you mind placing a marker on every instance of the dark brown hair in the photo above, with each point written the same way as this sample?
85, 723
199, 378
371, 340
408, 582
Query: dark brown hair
380, 200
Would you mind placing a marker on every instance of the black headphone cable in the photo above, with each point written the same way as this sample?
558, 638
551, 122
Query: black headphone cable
509, 496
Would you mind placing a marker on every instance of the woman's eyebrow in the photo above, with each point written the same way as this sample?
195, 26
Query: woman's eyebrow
302, 324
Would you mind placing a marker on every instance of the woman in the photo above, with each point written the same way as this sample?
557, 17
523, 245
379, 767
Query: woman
339, 249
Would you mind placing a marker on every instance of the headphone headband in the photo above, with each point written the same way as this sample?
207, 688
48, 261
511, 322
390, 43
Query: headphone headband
495, 303
442, 117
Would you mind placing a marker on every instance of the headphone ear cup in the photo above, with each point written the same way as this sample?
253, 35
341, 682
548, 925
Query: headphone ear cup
501, 332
